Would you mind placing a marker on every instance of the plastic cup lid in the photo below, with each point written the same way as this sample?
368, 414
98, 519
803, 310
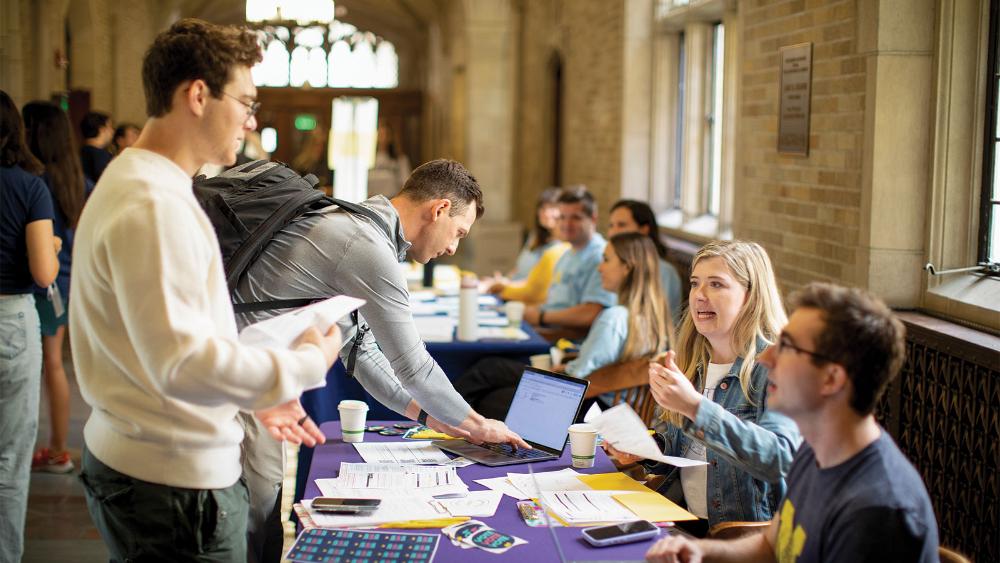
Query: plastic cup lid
350, 404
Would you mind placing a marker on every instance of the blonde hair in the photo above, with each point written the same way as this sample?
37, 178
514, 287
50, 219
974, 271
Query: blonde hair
650, 329
762, 315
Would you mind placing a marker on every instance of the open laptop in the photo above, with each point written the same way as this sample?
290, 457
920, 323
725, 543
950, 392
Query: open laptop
545, 404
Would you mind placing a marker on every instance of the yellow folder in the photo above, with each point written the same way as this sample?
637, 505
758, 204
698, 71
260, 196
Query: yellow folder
653, 507
645, 503
613, 482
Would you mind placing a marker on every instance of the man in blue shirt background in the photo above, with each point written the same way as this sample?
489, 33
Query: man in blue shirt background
575, 296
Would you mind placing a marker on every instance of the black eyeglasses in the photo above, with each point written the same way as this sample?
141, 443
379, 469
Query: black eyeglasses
252, 107
785, 343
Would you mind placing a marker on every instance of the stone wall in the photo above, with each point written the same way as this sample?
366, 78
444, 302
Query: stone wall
588, 38
805, 210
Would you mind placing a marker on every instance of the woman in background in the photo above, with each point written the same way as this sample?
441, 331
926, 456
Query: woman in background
529, 281
714, 393
639, 326
28, 257
631, 216
542, 236
51, 141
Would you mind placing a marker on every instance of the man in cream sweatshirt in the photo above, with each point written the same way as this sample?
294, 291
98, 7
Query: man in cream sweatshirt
154, 337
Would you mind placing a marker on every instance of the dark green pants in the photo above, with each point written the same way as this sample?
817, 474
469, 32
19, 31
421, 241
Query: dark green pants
142, 521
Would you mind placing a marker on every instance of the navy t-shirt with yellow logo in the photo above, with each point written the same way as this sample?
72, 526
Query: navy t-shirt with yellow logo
873, 507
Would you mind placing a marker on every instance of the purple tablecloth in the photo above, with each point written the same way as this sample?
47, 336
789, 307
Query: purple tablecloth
540, 547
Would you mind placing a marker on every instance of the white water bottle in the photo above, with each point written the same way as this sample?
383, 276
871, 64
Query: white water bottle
468, 307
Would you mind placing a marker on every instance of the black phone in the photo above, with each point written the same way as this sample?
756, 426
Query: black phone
625, 532
345, 505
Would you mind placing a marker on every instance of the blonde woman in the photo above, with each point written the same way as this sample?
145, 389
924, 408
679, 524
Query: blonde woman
714, 392
639, 325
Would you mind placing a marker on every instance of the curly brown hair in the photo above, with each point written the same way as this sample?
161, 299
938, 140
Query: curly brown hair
193, 49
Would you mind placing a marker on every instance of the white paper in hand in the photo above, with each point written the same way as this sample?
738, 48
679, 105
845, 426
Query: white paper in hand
623, 429
282, 331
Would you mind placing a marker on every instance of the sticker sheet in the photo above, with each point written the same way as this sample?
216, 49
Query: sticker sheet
330, 545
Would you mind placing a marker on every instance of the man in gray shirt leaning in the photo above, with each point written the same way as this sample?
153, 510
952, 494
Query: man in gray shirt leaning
334, 252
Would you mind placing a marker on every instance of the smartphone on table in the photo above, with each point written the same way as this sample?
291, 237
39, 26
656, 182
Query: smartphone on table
345, 505
625, 532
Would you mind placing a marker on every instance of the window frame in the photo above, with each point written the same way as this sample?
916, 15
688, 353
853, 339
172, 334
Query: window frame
684, 205
955, 171
988, 207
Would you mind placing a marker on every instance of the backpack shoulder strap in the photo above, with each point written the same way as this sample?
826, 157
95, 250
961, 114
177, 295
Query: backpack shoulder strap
359, 209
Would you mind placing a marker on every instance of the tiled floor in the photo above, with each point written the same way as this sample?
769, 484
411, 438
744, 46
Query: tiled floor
59, 527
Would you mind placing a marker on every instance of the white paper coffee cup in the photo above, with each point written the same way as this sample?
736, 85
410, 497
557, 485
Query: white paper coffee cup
582, 444
352, 420
541, 361
515, 313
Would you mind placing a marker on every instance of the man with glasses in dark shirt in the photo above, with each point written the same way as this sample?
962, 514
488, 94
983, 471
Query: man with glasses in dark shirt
852, 495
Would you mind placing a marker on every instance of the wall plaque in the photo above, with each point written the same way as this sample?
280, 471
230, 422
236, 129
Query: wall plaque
793, 113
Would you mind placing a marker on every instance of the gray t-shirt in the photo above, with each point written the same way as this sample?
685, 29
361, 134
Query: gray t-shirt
333, 252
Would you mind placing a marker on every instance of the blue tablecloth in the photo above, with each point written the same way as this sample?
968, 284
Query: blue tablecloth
540, 546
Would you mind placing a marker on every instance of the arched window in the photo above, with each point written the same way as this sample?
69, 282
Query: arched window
386, 66
273, 70
363, 75
336, 55
340, 65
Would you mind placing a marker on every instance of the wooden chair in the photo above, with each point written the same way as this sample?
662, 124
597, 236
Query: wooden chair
629, 381
733, 530
951, 556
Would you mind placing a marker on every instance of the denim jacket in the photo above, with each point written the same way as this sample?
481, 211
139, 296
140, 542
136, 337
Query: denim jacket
749, 449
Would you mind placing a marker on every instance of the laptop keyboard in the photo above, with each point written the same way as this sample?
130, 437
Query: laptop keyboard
509, 451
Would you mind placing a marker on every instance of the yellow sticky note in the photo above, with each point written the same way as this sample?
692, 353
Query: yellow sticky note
417, 524
613, 482
653, 507
429, 434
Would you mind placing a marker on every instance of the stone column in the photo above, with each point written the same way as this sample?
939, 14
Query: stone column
896, 38
490, 84
636, 100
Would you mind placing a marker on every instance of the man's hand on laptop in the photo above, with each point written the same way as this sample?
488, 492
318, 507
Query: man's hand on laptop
496, 432
453, 431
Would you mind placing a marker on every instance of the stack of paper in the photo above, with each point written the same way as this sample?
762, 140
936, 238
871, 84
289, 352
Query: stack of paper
502, 333
522, 486
585, 507
424, 479
411, 453
576, 499
478, 504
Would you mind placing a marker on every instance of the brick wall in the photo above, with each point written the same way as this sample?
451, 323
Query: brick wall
805, 211
589, 37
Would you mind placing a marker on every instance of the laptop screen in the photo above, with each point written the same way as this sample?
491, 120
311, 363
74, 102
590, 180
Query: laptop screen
544, 406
